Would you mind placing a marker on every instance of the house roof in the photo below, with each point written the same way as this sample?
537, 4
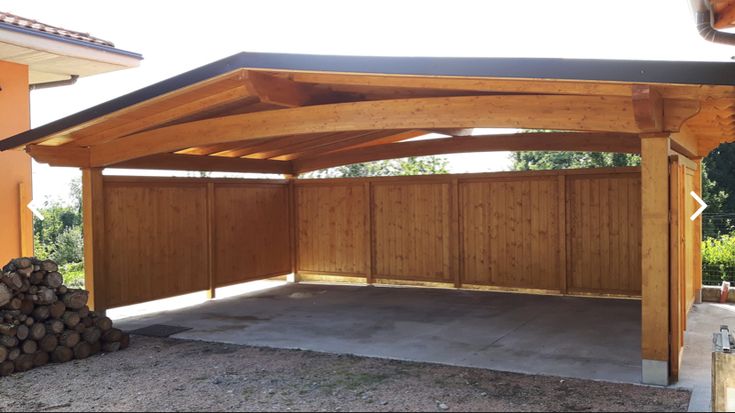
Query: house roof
35, 25
53, 53
9, 21
270, 92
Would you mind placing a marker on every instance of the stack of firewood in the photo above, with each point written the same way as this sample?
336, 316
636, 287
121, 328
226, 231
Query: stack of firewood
43, 321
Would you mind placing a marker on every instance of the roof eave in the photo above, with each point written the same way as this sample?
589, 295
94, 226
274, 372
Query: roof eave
68, 40
702, 73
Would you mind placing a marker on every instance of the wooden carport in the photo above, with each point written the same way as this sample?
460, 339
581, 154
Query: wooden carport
290, 114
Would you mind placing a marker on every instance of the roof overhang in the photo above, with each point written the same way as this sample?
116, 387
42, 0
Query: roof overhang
259, 111
51, 57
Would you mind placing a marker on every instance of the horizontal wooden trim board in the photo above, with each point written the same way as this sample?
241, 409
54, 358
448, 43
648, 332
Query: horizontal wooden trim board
170, 161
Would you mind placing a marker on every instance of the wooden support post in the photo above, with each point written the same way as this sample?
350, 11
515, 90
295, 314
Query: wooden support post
655, 258
211, 251
563, 234
25, 196
93, 215
293, 229
369, 250
697, 239
455, 231
676, 270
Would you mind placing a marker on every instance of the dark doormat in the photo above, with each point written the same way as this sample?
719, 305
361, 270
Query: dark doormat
159, 330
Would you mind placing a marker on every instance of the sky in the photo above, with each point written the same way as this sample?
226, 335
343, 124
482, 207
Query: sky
178, 36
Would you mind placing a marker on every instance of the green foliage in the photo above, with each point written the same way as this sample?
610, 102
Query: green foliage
73, 273
59, 235
423, 165
720, 168
534, 161
718, 259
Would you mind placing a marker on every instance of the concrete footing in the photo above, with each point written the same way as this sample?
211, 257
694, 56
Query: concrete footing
655, 372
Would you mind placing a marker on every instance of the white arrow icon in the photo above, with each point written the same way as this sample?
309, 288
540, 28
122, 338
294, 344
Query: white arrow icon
702, 206
32, 206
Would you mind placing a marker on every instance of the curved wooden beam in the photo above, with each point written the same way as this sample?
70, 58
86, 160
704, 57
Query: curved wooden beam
579, 113
556, 141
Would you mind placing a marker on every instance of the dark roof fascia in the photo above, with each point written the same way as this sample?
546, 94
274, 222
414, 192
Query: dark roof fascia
64, 39
628, 71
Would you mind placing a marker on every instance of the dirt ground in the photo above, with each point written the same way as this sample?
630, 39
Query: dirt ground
177, 375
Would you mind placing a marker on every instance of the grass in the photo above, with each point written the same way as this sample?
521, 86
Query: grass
73, 274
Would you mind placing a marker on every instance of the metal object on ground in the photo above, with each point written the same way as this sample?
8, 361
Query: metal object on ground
723, 371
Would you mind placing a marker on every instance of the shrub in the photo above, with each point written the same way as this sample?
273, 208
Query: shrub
73, 274
718, 259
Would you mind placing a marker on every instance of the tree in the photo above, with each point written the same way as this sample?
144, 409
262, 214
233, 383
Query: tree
59, 235
425, 165
534, 161
720, 171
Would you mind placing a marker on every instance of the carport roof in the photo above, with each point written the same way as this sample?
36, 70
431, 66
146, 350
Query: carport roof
261, 112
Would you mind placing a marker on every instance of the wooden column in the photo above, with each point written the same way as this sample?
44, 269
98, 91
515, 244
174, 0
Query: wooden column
564, 236
293, 228
211, 251
697, 239
25, 195
369, 239
655, 258
94, 228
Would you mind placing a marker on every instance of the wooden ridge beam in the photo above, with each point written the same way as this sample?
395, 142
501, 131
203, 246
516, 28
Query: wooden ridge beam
554, 141
579, 113
179, 162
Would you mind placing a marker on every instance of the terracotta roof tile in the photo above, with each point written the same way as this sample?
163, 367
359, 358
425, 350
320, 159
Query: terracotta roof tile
35, 25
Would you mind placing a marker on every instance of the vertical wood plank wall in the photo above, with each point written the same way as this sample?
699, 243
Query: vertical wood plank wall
554, 231
604, 233
162, 234
575, 231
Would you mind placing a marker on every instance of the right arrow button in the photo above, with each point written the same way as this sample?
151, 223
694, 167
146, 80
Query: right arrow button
702, 206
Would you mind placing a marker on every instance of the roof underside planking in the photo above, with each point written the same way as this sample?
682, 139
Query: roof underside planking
294, 113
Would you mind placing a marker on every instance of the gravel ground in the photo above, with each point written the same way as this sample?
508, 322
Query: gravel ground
177, 375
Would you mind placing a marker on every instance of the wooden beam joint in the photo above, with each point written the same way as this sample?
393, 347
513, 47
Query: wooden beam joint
648, 108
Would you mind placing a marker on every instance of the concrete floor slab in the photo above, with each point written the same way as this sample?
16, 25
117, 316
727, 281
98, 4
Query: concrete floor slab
696, 367
572, 337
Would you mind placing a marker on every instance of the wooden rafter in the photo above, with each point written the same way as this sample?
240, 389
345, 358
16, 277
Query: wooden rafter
158, 118
583, 113
355, 141
592, 142
220, 147
278, 146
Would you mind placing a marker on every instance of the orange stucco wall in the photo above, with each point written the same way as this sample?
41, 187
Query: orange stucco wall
15, 166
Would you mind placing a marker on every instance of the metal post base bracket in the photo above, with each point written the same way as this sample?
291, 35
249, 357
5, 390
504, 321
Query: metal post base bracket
655, 372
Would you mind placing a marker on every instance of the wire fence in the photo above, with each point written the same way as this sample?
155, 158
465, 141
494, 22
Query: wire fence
718, 249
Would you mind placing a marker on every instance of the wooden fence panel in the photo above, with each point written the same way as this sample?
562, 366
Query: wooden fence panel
331, 229
510, 233
412, 231
251, 232
604, 214
165, 237
155, 241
